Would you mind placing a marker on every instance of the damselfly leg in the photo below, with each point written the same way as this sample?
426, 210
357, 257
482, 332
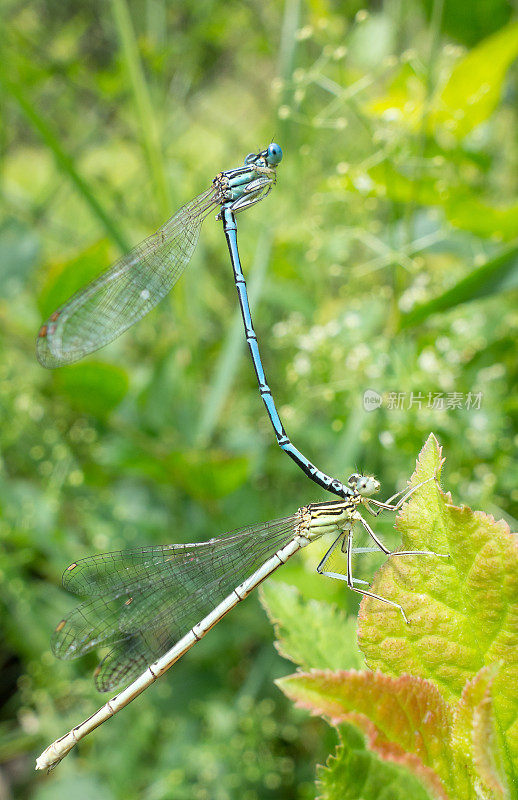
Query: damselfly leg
394, 507
388, 505
346, 540
388, 552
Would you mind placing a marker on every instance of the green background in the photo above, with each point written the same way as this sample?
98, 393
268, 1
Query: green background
398, 186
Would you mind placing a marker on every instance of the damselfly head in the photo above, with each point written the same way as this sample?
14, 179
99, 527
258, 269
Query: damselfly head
365, 485
271, 156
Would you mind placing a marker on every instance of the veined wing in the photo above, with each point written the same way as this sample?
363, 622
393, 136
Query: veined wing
142, 601
122, 295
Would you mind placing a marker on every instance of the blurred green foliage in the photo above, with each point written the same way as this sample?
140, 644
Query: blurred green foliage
398, 188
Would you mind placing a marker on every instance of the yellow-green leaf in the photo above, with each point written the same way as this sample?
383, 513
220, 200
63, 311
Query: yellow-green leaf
462, 610
475, 84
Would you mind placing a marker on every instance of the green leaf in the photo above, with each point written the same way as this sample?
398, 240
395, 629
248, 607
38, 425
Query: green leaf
92, 388
460, 206
470, 22
63, 278
354, 772
462, 610
469, 96
310, 633
475, 84
405, 719
470, 213
493, 276
217, 473
474, 733
463, 210
403, 101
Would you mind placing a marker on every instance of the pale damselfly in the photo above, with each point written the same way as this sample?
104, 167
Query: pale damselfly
152, 604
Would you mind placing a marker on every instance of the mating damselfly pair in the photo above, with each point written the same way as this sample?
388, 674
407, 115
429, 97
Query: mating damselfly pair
152, 604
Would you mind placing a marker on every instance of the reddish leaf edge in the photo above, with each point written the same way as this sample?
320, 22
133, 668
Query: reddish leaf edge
377, 740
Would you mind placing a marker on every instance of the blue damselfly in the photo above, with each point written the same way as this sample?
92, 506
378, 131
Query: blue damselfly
135, 284
109, 305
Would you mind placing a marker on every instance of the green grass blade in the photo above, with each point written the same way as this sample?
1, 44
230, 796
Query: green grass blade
65, 163
144, 107
288, 43
492, 277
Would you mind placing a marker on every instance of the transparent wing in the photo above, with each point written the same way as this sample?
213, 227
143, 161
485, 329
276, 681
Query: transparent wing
122, 295
140, 602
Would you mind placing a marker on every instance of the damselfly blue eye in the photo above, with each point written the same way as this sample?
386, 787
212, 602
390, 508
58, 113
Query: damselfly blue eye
274, 154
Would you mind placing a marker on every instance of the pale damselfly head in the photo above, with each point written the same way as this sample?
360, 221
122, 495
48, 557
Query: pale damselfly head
364, 485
